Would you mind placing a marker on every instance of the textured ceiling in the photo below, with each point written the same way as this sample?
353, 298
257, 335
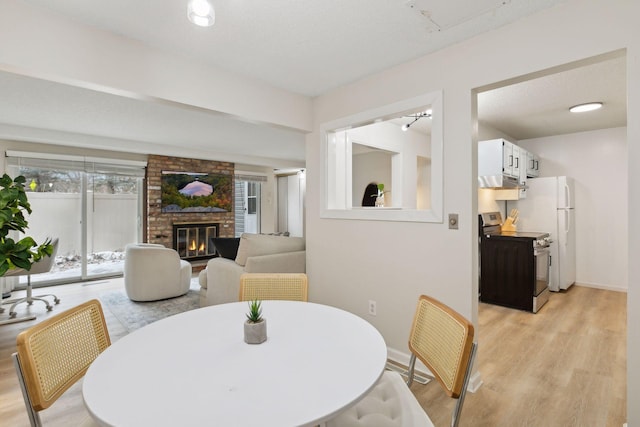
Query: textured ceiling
303, 46
540, 107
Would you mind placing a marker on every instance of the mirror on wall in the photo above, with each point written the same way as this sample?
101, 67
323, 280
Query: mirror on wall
394, 152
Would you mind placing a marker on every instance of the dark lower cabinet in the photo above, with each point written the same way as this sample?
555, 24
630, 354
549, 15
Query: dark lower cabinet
507, 272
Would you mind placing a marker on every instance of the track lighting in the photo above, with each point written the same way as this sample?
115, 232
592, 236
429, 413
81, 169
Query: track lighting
415, 117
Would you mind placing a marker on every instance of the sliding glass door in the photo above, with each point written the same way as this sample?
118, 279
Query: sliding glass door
56, 202
113, 219
93, 207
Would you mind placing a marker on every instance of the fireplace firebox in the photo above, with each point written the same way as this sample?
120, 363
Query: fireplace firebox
193, 240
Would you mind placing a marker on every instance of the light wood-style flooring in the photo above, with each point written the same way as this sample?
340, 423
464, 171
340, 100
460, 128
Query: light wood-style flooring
565, 366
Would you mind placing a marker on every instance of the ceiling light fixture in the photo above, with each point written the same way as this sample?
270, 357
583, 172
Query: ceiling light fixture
581, 108
415, 117
201, 13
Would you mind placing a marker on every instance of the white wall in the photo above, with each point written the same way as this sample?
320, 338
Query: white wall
295, 205
291, 191
597, 161
350, 262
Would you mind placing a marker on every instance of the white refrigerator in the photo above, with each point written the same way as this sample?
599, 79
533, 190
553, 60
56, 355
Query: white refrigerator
549, 207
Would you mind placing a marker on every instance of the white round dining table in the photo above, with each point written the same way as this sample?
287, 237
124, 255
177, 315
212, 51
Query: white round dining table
194, 369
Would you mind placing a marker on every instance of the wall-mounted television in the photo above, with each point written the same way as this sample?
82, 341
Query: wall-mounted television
184, 192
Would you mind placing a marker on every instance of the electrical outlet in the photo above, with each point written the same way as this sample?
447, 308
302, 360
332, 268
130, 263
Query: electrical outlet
372, 307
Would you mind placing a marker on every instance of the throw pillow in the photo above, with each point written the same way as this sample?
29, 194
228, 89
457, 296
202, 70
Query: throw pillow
226, 247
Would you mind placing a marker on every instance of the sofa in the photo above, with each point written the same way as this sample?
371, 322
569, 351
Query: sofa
256, 253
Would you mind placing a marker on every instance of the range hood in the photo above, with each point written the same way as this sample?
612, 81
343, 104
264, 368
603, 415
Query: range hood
498, 181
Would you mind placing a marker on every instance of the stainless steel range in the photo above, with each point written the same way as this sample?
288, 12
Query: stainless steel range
514, 265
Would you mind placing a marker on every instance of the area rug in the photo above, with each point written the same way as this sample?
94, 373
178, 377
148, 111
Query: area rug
134, 315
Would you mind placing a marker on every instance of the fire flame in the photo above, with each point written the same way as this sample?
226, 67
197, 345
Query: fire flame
192, 246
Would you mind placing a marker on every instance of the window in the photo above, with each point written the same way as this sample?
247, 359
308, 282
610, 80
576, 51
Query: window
252, 196
92, 205
371, 147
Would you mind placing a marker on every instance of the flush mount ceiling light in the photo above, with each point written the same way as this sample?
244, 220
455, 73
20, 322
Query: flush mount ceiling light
415, 117
581, 108
201, 13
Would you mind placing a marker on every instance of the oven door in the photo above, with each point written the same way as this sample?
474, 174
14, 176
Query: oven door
542, 259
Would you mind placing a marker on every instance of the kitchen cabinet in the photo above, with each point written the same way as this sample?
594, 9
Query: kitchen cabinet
524, 155
508, 272
498, 163
510, 159
529, 169
504, 165
516, 161
533, 165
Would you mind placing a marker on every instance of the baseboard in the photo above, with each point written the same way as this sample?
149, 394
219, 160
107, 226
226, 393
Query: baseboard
399, 357
603, 287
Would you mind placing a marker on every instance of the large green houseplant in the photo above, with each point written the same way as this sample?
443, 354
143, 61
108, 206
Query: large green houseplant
13, 204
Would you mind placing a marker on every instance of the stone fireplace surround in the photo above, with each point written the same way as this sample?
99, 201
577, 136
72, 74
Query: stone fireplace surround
159, 225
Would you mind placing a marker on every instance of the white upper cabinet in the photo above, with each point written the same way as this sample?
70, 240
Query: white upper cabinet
533, 165
496, 157
516, 159
502, 164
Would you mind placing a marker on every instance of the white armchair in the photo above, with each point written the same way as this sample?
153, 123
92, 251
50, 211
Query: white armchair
153, 272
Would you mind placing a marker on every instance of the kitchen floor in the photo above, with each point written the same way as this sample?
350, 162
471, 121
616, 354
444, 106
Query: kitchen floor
564, 366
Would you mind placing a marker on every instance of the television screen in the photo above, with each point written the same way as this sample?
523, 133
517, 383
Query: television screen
196, 192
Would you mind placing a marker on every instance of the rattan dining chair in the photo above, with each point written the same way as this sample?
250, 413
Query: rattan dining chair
440, 338
54, 354
273, 286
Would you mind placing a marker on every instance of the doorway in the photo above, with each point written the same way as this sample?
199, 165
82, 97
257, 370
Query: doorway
533, 112
248, 201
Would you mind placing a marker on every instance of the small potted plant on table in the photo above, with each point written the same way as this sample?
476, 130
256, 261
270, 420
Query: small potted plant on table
255, 327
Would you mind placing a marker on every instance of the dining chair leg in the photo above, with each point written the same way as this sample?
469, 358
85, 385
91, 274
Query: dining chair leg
34, 417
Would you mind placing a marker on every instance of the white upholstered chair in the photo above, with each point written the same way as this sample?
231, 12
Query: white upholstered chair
440, 338
153, 272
